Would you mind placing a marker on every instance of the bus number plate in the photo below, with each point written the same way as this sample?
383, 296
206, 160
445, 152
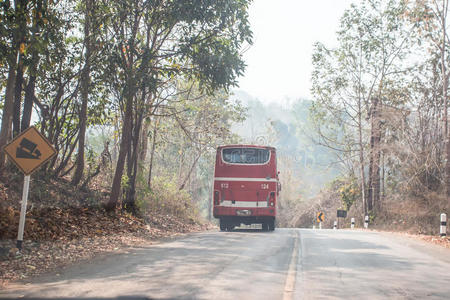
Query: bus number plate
244, 212
265, 186
224, 185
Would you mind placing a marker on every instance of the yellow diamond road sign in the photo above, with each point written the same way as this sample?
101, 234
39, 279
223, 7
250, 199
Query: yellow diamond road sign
29, 150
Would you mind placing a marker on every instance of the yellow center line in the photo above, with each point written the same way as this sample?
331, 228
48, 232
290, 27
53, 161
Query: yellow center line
289, 286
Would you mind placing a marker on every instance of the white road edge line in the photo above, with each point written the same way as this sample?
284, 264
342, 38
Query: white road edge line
289, 286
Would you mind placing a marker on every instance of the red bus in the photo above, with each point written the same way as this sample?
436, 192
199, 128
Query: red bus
246, 186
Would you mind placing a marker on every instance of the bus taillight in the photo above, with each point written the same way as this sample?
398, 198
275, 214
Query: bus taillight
216, 197
272, 199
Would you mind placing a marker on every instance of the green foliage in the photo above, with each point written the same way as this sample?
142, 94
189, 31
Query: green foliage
166, 198
124, 183
349, 191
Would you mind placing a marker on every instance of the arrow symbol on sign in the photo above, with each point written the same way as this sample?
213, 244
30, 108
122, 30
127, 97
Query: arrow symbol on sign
320, 217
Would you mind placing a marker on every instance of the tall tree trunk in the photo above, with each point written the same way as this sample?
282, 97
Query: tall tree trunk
130, 199
30, 97
370, 180
129, 94
29, 93
7, 116
374, 164
152, 153
28, 103
363, 180
210, 200
383, 176
115, 139
124, 146
445, 100
19, 39
447, 168
143, 144
376, 159
361, 159
18, 96
85, 83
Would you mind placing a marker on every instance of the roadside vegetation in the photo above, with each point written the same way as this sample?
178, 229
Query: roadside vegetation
380, 108
374, 138
381, 102
134, 95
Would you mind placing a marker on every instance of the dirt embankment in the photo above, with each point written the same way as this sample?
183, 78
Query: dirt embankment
416, 218
63, 227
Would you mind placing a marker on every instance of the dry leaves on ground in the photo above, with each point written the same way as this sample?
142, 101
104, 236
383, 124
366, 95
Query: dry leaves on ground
63, 237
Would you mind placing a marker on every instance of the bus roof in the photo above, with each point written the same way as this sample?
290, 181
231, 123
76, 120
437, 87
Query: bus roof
245, 146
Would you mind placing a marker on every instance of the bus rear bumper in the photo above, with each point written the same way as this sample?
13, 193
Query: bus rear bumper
237, 221
241, 212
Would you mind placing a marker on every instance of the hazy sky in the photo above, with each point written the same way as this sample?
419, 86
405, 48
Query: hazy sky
279, 61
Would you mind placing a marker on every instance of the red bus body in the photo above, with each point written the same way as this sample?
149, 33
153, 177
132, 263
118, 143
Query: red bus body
246, 186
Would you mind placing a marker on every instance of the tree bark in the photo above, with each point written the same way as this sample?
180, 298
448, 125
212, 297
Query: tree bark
152, 153
383, 176
19, 39
374, 164
18, 97
376, 159
361, 159
130, 199
445, 101
143, 144
362, 173
29, 99
85, 83
123, 150
7, 116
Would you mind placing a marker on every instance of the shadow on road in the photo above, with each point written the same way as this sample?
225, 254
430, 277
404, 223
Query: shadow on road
93, 298
251, 230
189, 264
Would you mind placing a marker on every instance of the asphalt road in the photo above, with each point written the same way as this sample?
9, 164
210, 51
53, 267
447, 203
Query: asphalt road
285, 264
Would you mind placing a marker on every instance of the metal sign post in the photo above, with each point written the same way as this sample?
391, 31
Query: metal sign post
29, 150
23, 211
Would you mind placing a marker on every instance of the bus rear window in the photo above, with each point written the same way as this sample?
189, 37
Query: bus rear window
249, 156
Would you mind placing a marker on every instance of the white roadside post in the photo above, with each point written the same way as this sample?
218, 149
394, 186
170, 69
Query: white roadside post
366, 222
443, 225
314, 226
353, 223
320, 225
23, 211
335, 225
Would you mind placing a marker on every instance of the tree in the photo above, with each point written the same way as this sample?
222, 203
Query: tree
196, 39
352, 84
431, 20
85, 83
26, 30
